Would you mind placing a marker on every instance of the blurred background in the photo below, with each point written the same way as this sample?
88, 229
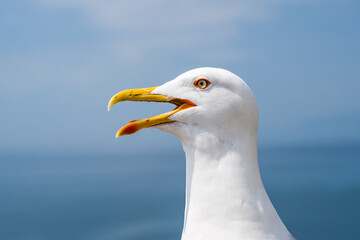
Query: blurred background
63, 175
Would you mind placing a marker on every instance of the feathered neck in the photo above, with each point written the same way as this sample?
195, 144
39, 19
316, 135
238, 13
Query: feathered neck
225, 196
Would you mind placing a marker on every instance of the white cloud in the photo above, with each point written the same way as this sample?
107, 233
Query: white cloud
127, 15
142, 27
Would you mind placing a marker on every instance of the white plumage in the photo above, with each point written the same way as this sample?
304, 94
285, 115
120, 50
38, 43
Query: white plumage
225, 196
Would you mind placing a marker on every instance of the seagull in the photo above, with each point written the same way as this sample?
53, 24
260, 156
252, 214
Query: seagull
216, 120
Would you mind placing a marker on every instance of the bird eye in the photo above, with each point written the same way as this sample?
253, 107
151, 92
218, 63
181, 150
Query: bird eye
202, 83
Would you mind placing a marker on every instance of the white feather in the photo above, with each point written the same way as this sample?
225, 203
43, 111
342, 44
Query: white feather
225, 196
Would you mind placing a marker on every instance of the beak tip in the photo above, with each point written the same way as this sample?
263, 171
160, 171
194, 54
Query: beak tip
118, 134
109, 106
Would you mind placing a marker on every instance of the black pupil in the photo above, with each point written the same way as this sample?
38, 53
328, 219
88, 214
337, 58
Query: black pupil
202, 83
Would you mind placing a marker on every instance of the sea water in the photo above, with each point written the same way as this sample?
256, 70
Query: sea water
316, 192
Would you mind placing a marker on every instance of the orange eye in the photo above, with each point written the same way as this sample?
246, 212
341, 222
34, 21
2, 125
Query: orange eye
202, 83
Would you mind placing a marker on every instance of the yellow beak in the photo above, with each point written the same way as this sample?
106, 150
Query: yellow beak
145, 95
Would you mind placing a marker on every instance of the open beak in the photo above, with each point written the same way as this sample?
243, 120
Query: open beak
146, 95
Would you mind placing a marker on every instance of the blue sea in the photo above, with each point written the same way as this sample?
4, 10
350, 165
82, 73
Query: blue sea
316, 192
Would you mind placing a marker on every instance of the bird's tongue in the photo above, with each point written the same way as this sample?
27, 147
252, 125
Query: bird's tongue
136, 125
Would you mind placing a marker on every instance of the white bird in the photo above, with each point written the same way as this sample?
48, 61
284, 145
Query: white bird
216, 120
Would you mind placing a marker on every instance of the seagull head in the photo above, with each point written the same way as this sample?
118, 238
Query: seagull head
206, 99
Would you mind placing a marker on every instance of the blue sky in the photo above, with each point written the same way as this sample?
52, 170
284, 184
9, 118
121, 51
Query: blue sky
61, 61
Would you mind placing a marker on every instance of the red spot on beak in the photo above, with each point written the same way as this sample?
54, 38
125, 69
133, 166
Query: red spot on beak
129, 129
